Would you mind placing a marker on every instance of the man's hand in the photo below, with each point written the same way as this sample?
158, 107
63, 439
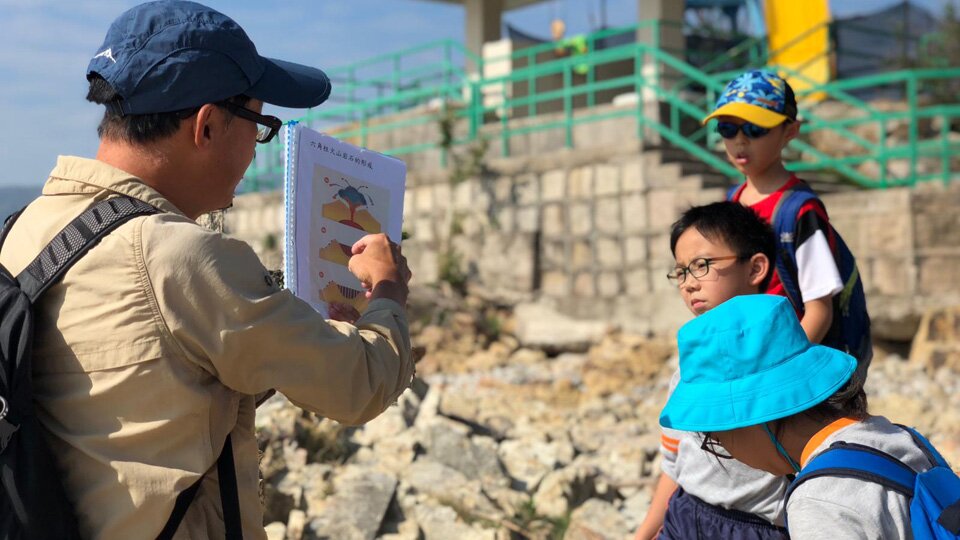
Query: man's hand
381, 268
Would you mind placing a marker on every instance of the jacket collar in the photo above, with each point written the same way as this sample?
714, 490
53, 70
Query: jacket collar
83, 175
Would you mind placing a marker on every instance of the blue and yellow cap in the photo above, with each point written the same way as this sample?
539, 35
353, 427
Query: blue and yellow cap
760, 97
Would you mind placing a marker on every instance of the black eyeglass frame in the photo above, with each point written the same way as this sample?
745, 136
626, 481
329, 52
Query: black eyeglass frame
713, 446
697, 274
272, 123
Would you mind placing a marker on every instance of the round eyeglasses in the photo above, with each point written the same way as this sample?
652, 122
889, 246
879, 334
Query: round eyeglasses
697, 268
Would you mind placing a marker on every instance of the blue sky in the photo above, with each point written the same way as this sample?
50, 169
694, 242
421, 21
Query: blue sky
45, 46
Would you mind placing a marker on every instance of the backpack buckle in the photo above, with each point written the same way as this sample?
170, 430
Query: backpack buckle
4, 408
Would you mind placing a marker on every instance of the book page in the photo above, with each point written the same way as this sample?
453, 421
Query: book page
340, 193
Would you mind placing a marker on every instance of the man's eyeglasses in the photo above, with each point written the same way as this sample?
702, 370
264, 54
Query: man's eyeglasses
729, 130
697, 268
713, 446
267, 126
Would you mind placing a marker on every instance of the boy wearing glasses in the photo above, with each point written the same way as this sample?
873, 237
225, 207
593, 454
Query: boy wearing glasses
722, 250
757, 117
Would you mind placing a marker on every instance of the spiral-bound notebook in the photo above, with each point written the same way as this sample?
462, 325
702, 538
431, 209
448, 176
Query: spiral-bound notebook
334, 193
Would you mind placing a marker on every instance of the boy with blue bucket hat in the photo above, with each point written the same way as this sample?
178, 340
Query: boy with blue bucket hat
759, 391
756, 116
722, 250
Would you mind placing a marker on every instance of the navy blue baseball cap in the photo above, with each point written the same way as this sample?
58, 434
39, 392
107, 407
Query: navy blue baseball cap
172, 55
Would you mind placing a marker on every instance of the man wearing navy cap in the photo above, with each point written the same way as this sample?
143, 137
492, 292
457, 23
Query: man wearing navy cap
149, 354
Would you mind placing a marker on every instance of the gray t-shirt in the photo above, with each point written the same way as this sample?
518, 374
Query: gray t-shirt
850, 508
726, 483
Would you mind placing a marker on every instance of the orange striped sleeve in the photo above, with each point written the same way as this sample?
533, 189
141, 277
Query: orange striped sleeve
669, 443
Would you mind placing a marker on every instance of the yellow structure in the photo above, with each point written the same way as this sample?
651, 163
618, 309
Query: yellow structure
799, 40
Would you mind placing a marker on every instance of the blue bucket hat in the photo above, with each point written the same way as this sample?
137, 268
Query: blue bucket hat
747, 362
760, 97
172, 55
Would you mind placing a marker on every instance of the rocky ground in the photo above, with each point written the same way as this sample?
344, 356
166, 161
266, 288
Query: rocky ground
511, 433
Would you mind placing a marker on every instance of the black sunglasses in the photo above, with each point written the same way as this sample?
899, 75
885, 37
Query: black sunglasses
267, 126
729, 130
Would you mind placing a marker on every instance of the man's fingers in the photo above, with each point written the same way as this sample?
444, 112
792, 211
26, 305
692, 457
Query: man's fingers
362, 244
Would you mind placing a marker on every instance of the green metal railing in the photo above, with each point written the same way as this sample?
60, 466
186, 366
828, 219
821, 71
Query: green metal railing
484, 107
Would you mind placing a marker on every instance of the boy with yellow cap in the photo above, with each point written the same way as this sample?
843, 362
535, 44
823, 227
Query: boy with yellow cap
757, 117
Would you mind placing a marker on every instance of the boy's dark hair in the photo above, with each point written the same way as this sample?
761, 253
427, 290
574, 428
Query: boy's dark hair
136, 128
733, 224
850, 400
789, 102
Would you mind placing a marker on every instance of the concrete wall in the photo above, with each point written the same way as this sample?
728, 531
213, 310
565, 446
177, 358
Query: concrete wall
587, 230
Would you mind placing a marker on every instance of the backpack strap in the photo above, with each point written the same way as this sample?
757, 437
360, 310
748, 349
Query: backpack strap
81, 234
933, 456
732, 192
66, 248
229, 498
784, 223
857, 461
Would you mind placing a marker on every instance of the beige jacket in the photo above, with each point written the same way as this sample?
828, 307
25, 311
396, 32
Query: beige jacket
152, 348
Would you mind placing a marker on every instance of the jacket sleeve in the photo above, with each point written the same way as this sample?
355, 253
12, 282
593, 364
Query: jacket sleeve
225, 315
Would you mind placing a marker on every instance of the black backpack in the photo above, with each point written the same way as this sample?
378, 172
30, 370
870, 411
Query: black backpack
34, 504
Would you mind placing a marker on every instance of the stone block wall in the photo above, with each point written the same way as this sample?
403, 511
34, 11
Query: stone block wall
907, 244
587, 230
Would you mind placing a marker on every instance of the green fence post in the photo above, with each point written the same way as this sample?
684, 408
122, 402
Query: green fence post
396, 79
363, 127
531, 82
712, 135
882, 158
914, 131
448, 67
656, 47
532, 107
568, 104
443, 148
476, 109
945, 147
353, 85
504, 122
638, 87
591, 49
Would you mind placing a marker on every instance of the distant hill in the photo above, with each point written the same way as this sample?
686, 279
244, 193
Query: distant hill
13, 198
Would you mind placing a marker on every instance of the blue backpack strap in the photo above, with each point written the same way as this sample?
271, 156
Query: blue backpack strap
733, 191
856, 461
784, 223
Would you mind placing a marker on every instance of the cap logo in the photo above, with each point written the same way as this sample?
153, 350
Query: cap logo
107, 54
